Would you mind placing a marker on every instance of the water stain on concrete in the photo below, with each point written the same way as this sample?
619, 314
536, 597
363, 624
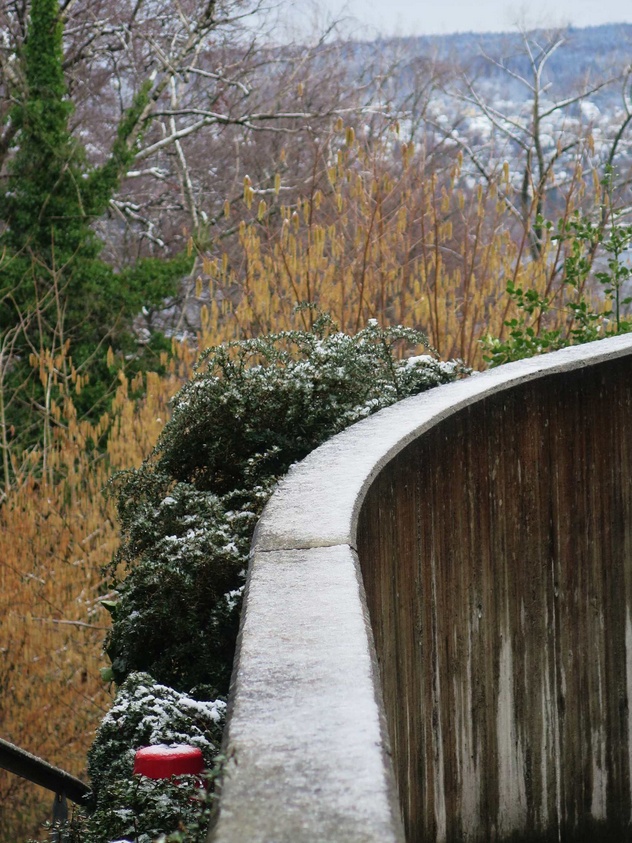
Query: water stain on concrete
496, 553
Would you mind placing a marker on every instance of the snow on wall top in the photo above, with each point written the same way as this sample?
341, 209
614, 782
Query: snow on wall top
307, 748
317, 503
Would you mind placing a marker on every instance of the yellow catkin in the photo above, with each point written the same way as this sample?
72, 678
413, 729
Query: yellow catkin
248, 192
421, 250
57, 531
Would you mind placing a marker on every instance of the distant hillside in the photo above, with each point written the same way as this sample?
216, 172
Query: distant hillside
587, 56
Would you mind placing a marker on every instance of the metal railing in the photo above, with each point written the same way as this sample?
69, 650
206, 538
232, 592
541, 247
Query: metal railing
62, 784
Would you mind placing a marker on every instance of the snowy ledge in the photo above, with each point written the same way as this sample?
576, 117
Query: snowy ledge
308, 754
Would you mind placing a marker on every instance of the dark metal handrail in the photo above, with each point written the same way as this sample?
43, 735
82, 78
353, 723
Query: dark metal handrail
36, 770
40, 772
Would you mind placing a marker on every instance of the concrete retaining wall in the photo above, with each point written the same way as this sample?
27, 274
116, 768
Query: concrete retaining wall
490, 521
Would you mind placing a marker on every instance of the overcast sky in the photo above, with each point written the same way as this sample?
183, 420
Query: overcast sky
369, 18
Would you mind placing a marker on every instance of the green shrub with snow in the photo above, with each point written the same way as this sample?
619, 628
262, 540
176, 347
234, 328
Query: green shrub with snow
253, 408
188, 513
128, 807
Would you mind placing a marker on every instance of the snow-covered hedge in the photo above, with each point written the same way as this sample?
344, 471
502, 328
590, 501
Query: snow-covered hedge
148, 714
252, 409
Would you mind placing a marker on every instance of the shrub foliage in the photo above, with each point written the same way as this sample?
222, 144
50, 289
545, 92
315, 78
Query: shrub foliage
252, 409
188, 513
146, 713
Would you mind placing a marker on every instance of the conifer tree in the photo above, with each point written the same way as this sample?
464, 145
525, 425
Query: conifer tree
43, 206
57, 297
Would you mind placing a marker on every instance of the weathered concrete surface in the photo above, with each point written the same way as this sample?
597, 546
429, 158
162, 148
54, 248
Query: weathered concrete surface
479, 657
317, 503
496, 552
307, 755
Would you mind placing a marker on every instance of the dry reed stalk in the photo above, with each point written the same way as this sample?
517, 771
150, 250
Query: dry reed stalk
398, 245
57, 530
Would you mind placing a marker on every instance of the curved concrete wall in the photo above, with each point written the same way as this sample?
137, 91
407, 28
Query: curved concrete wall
498, 635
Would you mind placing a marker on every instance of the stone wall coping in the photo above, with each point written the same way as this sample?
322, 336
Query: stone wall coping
306, 742
318, 501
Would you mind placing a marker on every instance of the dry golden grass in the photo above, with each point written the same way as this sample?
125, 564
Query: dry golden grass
395, 243
57, 530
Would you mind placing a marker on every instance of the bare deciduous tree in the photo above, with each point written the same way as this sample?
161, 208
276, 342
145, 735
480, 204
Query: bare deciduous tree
206, 88
552, 143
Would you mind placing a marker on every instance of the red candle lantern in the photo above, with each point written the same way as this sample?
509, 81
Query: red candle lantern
164, 762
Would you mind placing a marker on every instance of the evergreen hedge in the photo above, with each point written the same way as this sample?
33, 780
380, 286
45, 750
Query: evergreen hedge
188, 513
